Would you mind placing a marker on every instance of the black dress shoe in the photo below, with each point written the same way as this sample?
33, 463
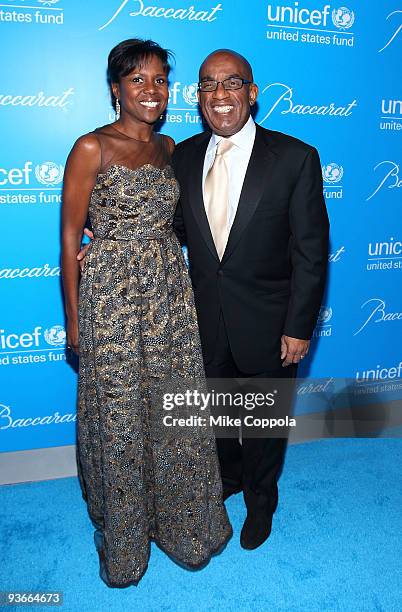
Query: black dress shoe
258, 524
273, 502
256, 530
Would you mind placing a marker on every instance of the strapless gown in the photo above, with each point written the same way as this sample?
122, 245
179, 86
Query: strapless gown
137, 324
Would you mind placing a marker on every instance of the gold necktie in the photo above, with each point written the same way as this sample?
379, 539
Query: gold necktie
216, 193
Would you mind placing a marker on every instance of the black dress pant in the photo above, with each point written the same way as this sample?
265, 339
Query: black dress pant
253, 465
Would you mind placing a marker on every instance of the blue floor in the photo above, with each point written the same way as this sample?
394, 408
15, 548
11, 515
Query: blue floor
335, 544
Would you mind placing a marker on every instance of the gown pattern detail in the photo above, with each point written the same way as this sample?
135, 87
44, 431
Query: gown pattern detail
137, 324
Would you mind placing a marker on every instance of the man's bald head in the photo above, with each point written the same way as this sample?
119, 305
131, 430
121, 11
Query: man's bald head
224, 53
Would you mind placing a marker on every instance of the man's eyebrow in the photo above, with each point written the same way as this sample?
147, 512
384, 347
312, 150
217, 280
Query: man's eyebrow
229, 76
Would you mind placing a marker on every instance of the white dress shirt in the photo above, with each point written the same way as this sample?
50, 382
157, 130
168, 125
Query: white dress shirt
237, 160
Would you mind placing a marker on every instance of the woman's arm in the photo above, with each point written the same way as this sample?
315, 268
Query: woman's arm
82, 167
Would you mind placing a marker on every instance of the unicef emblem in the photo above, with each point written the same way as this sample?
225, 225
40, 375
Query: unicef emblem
324, 315
48, 2
343, 18
332, 173
49, 173
55, 336
190, 94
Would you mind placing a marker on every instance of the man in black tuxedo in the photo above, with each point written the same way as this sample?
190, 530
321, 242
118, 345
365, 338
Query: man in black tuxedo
253, 217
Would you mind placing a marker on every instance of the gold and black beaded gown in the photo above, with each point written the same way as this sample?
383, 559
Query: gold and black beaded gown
137, 324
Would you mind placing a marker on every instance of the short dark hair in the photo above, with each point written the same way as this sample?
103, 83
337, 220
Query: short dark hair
133, 53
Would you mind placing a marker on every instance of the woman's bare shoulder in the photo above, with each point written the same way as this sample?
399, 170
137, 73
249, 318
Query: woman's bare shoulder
170, 143
85, 154
88, 143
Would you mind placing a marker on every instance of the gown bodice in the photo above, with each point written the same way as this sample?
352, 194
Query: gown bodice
135, 193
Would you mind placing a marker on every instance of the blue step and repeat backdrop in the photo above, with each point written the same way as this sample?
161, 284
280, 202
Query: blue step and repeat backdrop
328, 74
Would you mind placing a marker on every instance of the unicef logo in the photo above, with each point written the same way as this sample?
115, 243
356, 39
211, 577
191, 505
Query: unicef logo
324, 315
49, 173
343, 18
332, 173
48, 2
55, 336
190, 94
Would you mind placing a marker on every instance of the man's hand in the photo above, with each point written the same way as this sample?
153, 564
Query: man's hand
84, 249
293, 350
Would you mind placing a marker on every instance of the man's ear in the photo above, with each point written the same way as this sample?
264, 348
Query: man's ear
253, 93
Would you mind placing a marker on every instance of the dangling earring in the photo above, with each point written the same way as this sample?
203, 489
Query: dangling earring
117, 109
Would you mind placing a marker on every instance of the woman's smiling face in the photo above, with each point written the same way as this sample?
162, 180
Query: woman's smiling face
143, 93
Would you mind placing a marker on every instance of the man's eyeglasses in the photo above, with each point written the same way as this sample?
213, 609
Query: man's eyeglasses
228, 84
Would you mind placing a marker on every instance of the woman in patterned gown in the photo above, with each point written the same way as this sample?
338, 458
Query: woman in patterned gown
131, 318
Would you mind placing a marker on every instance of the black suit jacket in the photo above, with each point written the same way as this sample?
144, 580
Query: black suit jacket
271, 278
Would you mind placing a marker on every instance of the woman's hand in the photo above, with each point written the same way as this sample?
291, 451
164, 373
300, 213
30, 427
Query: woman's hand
72, 335
83, 252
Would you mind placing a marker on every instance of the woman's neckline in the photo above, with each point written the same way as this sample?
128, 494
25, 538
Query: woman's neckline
130, 137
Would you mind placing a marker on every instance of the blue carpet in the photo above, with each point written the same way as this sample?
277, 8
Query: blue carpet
335, 544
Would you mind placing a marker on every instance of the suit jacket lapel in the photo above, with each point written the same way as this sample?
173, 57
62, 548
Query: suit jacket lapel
196, 196
261, 159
